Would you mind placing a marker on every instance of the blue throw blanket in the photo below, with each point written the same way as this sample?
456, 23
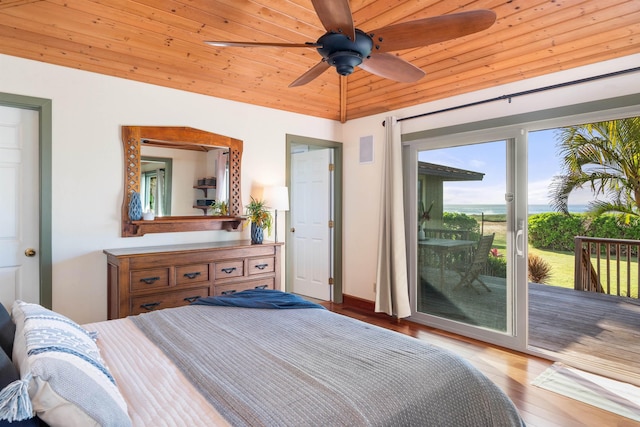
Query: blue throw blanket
258, 298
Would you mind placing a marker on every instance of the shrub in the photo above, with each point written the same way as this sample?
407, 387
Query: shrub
496, 266
460, 221
611, 226
539, 269
555, 231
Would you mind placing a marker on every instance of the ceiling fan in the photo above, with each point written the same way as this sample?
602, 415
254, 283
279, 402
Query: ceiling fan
345, 47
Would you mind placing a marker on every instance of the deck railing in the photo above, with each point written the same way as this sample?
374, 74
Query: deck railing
446, 233
607, 266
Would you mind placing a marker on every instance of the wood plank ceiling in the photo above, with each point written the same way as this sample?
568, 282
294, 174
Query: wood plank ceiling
161, 42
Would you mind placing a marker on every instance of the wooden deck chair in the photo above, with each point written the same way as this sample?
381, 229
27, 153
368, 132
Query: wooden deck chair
477, 264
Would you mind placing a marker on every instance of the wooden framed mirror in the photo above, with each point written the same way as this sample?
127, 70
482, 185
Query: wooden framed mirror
163, 139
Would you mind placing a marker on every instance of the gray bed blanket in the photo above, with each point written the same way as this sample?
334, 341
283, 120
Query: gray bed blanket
318, 368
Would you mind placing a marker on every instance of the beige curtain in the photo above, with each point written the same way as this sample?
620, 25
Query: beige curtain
392, 291
221, 177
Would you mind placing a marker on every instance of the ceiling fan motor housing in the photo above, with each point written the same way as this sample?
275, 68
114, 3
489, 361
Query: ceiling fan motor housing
343, 53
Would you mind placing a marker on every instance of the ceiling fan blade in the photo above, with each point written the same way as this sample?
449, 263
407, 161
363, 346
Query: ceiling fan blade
336, 16
259, 44
422, 32
392, 67
311, 74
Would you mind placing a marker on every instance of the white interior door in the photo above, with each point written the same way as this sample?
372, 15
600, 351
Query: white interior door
19, 209
310, 218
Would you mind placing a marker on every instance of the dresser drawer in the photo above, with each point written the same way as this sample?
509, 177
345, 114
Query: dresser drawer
228, 269
144, 304
149, 279
186, 274
261, 265
231, 288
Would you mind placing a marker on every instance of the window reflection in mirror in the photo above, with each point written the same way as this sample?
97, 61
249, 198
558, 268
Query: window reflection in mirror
175, 191
155, 185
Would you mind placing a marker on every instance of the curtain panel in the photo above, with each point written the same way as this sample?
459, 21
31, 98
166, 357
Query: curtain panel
392, 290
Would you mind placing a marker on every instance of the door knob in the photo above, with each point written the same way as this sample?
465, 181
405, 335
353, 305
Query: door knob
30, 252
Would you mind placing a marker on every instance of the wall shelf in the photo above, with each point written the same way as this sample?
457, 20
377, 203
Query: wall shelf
205, 188
169, 224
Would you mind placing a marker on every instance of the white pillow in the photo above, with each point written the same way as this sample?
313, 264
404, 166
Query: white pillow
70, 384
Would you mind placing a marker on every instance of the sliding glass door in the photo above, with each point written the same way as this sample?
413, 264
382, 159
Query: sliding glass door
466, 242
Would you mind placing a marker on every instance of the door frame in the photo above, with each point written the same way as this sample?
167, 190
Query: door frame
292, 140
515, 335
44, 108
519, 125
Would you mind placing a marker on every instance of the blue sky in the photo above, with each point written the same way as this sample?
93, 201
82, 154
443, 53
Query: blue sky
489, 158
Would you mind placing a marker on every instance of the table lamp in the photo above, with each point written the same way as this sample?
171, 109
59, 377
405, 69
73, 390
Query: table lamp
276, 198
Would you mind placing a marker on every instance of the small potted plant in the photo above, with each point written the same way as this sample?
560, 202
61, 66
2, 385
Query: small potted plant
219, 208
260, 218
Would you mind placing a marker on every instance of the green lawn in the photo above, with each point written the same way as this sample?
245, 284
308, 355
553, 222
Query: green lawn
562, 263
562, 266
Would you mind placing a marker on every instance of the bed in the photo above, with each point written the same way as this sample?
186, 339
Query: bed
223, 362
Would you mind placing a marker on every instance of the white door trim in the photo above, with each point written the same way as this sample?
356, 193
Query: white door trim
45, 110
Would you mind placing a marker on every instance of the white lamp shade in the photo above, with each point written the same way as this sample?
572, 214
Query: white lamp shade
276, 198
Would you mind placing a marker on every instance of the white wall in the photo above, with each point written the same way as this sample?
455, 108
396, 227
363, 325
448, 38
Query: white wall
88, 110
362, 182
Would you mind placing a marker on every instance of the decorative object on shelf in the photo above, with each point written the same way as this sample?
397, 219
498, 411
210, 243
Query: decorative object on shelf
260, 218
148, 216
423, 217
210, 182
135, 206
219, 208
277, 198
257, 234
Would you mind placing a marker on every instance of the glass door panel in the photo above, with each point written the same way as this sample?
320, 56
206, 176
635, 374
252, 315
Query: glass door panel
462, 239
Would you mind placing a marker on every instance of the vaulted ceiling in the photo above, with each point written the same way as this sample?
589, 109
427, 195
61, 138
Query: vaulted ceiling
162, 42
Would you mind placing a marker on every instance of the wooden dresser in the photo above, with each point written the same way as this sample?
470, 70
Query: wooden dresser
151, 278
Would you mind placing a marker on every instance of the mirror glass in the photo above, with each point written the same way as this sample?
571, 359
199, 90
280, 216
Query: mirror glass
155, 184
183, 182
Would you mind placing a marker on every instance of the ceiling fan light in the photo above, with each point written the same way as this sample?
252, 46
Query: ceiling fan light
345, 61
343, 53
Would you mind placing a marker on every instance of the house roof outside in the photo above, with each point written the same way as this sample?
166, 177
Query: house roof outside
448, 173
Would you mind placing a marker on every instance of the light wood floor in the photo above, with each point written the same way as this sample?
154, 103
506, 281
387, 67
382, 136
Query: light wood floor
587, 329
510, 370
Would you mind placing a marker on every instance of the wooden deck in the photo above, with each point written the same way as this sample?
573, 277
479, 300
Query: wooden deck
595, 332
599, 332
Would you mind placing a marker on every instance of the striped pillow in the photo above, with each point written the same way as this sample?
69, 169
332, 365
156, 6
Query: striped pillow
70, 384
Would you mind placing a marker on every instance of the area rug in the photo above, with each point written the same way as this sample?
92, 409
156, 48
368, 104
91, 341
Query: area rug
613, 396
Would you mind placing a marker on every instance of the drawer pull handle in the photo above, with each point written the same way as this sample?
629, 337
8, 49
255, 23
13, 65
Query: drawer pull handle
261, 266
150, 305
149, 280
228, 270
191, 299
192, 275
261, 287
233, 291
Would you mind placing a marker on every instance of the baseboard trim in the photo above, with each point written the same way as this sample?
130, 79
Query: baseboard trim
349, 301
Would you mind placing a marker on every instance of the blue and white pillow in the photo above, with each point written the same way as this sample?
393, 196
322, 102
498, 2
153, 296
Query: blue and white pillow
69, 383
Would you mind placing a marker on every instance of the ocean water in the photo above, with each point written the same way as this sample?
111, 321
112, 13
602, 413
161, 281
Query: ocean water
502, 209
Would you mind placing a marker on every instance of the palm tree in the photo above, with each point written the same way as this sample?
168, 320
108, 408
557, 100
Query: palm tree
605, 156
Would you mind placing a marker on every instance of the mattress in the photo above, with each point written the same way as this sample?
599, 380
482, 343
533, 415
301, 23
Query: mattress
156, 391
216, 366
